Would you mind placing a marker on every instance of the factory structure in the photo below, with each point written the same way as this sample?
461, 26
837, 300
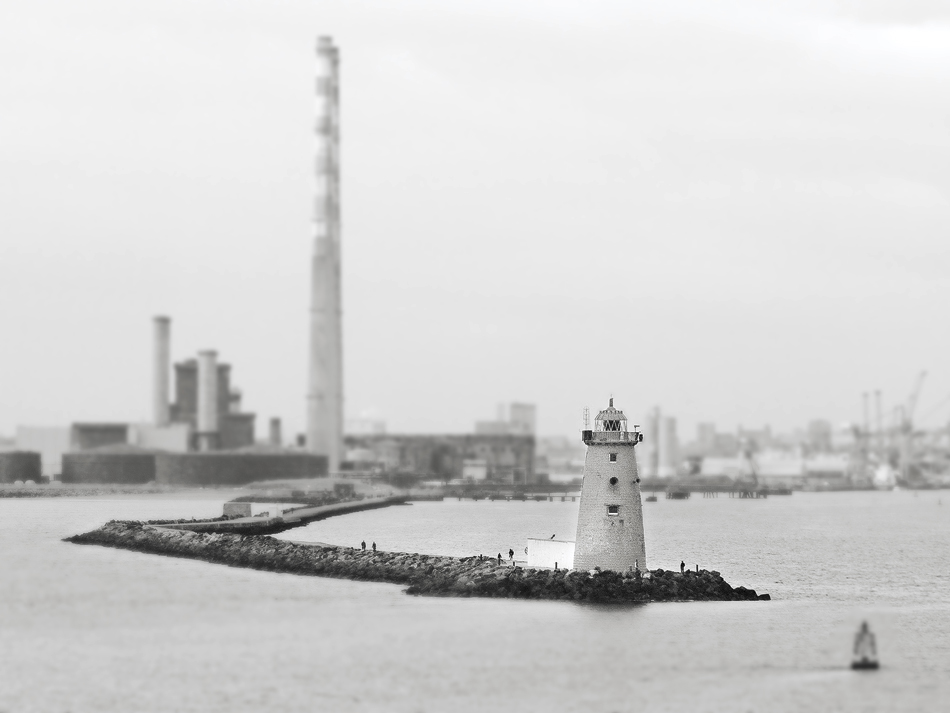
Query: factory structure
199, 432
201, 437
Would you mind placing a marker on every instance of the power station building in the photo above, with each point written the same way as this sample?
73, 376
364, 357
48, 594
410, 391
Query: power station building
229, 426
205, 401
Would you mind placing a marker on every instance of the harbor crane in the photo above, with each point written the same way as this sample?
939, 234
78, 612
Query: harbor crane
907, 427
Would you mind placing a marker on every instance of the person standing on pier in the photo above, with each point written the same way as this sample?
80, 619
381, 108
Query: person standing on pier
682, 567
363, 545
374, 547
511, 555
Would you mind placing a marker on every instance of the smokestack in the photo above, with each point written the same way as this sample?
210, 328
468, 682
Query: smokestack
325, 396
276, 438
162, 371
207, 400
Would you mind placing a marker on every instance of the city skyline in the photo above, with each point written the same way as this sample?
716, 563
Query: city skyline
639, 204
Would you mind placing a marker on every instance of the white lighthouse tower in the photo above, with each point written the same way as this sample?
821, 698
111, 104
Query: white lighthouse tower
610, 521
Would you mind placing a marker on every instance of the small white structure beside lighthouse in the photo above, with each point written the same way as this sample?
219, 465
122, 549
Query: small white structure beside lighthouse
610, 520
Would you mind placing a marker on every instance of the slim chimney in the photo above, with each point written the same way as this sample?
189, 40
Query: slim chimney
162, 370
325, 395
276, 438
207, 400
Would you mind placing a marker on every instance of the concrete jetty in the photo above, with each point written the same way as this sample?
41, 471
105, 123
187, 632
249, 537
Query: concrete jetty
272, 524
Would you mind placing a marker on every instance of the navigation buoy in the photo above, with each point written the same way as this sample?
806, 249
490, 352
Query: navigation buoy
865, 650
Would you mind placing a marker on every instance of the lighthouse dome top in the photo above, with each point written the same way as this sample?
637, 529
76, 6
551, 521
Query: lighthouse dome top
610, 419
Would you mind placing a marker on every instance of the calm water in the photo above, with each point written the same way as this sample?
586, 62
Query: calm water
94, 629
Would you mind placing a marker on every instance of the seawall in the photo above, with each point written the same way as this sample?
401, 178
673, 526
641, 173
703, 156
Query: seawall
424, 574
298, 517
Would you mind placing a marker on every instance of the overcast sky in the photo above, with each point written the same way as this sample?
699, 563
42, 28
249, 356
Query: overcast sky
736, 212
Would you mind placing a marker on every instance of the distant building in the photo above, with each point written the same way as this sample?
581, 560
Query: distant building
669, 454
819, 436
86, 436
51, 442
506, 458
475, 469
756, 438
559, 455
827, 471
235, 428
730, 467
706, 436
710, 443
779, 470
174, 437
523, 418
517, 419
648, 455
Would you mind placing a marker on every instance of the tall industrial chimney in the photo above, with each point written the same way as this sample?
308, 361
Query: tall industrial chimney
162, 370
325, 396
207, 400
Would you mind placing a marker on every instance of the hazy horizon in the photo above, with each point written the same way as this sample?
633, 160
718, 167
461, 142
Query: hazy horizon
734, 212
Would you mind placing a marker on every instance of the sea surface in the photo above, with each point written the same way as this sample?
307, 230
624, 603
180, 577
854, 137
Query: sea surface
95, 629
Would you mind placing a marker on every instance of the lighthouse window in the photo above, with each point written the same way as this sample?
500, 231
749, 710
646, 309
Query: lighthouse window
613, 510
613, 457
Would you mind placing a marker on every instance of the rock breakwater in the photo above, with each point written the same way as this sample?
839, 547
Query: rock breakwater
424, 574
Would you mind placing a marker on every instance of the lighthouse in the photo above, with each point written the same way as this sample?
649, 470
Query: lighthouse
610, 520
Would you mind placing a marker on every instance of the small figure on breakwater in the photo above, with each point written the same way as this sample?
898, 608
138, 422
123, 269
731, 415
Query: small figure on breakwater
363, 545
865, 649
499, 558
511, 555
682, 567
374, 546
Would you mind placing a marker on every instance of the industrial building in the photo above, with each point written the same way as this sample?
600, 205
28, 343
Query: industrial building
231, 427
500, 458
20, 466
513, 419
205, 402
